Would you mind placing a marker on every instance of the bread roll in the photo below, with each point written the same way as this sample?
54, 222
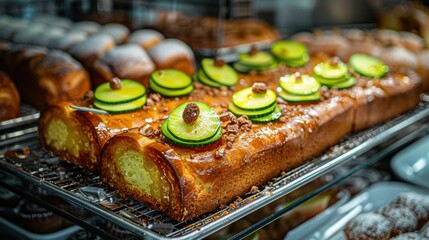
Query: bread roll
88, 27
67, 41
44, 77
11, 27
118, 31
10, 101
128, 61
27, 34
174, 54
146, 38
90, 49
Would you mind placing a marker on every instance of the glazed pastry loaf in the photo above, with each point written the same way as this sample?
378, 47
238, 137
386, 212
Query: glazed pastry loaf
187, 182
10, 101
44, 77
175, 54
128, 61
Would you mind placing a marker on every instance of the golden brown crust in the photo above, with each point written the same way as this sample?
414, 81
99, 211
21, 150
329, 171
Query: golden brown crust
186, 182
44, 77
10, 100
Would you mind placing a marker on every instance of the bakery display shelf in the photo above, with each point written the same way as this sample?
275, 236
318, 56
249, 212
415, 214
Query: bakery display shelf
76, 185
28, 115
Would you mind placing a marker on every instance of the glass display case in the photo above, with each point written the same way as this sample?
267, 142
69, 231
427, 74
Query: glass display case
96, 210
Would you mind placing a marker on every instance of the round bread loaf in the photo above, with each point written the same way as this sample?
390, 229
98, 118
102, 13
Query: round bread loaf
10, 100
88, 27
68, 40
146, 38
128, 61
173, 54
118, 31
91, 48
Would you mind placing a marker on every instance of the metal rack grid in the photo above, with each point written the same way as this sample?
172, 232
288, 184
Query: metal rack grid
75, 184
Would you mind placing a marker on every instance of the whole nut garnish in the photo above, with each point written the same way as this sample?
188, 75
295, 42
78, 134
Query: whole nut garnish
191, 113
115, 83
219, 62
253, 50
334, 61
259, 88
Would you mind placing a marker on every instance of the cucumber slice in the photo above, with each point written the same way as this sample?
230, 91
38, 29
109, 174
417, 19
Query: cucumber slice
171, 138
297, 98
331, 71
245, 69
368, 66
121, 107
130, 91
345, 84
305, 85
202, 77
259, 59
171, 79
251, 113
330, 82
169, 92
297, 62
276, 114
248, 100
224, 75
204, 128
286, 50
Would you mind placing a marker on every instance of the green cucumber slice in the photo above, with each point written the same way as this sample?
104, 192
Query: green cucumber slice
171, 138
204, 128
368, 66
248, 100
259, 59
305, 85
287, 49
297, 62
171, 79
345, 84
130, 91
224, 75
331, 71
330, 82
251, 113
245, 69
202, 77
297, 98
170, 92
121, 107
276, 114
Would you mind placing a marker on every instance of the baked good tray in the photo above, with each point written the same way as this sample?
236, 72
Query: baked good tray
74, 184
28, 115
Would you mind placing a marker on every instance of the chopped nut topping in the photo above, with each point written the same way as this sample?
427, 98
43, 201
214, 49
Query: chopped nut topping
220, 153
219, 62
161, 73
147, 130
244, 123
259, 88
233, 128
115, 83
191, 113
254, 189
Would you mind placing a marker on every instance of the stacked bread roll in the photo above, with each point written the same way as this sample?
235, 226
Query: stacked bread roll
102, 52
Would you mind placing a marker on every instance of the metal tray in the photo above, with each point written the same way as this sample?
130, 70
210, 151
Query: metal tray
28, 115
75, 184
